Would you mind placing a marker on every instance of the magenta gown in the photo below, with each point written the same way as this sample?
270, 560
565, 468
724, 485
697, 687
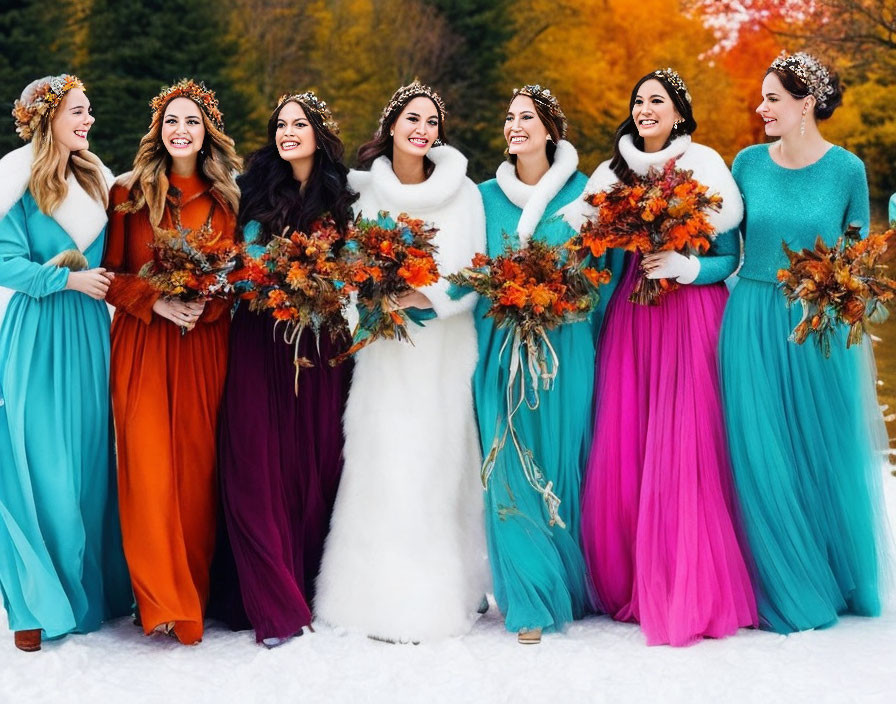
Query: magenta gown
658, 522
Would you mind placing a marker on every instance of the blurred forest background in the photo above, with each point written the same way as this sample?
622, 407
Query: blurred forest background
354, 53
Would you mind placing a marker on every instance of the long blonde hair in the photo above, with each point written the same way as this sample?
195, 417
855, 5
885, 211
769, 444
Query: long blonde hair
48, 183
148, 182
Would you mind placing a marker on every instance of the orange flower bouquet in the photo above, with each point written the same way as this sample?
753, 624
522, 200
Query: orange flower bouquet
385, 258
665, 210
531, 290
846, 284
298, 280
190, 264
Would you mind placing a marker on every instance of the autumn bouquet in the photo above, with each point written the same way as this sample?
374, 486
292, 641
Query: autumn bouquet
190, 264
385, 258
846, 284
298, 279
665, 210
530, 291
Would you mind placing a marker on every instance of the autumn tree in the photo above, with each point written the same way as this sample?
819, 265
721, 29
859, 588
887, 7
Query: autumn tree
591, 53
857, 36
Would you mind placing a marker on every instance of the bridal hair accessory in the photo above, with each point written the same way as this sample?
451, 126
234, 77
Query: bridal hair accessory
197, 92
404, 94
39, 98
546, 99
810, 71
316, 105
675, 80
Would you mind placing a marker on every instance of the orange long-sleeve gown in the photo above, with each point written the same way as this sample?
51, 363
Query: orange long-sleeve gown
166, 389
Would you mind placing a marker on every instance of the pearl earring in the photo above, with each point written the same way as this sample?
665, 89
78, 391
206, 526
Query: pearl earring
803, 120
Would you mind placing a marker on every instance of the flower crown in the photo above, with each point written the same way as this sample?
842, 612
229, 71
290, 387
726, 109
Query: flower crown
546, 99
404, 94
675, 80
810, 71
197, 92
40, 98
316, 105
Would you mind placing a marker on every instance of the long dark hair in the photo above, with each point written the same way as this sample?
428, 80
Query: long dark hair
270, 195
381, 142
680, 98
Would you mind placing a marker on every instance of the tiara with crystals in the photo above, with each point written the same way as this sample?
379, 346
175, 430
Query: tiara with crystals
404, 94
675, 80
316, 105
39, 98
546, 99
197, 92
810, 71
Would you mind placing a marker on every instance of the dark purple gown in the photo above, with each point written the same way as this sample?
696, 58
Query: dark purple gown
280, 459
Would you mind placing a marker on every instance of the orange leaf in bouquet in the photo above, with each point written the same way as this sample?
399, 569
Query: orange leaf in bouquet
385, 259
531, 291
667, 209
297, 280
846, 284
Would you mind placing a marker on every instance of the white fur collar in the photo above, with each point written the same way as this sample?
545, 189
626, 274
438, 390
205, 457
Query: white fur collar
709, 168
445, 181
82, 217
641, 162
533, 200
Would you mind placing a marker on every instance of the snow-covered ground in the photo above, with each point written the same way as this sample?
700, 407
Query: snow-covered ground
596, 660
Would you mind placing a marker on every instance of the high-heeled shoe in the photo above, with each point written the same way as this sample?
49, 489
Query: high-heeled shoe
29, 640
529, 636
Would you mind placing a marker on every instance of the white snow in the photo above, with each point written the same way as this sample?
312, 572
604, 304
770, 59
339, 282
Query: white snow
596, 660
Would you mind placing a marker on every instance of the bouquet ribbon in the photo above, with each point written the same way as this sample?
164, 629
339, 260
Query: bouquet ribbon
533, 362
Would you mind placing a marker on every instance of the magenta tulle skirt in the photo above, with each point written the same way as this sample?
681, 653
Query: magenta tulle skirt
658, 509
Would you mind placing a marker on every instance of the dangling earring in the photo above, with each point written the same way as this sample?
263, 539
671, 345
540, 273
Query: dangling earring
803, 120
678, 123
391, 133
437, 143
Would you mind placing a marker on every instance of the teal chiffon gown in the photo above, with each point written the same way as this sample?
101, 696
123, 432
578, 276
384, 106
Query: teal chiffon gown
61, 563
538, 570
803, 429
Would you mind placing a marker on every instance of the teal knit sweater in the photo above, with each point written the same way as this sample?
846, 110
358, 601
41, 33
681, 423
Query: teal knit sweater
795, 206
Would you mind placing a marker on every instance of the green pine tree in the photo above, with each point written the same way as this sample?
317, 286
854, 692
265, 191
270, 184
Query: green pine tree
135, 47
35, 44
471, 81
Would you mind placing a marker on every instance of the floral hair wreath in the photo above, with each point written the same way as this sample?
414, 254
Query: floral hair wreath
197, 92
810, 71
546, 99
675, 80
316, 105
40, 98
404, 94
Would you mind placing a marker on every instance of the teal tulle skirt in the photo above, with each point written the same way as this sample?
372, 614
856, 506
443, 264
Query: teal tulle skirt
538, 569
805, 435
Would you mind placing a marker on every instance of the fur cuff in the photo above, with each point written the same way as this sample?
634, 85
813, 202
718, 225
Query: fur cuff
133, 295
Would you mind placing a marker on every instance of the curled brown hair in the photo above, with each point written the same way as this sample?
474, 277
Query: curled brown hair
148, 182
